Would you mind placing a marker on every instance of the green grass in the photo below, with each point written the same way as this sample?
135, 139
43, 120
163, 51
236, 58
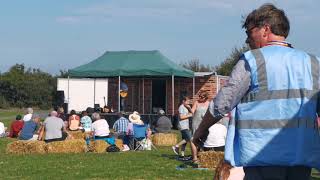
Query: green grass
124, 165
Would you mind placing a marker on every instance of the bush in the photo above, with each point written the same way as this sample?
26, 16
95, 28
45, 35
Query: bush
4, 104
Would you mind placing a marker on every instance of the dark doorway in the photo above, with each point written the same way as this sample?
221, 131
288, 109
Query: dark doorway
158, 95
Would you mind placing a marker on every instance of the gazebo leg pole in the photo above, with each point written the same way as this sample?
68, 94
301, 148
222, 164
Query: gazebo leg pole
142, 95
193, 87
172, 95
94, 92
67, 110
119, 94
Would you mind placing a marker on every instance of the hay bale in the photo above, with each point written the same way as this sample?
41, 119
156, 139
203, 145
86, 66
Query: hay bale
119, 144
26, 147
76, 135
210, 159
98, 146
67, 146
164, 139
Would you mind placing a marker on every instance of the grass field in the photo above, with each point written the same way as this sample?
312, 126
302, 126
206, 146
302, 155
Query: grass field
124, 165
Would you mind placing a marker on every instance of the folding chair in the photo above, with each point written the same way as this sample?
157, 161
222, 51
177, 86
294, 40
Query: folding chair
140, 136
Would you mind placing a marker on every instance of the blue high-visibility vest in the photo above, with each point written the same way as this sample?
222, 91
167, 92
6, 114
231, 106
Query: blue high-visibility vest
275, 123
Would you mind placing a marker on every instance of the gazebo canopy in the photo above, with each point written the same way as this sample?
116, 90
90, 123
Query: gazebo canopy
130, 63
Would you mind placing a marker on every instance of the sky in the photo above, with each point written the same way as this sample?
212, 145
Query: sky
61, 35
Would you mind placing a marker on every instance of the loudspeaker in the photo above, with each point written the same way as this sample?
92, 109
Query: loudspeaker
97, 108
60, 98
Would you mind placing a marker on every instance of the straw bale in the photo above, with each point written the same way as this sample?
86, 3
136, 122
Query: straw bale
98, 146
76, 134
164, 139
222, 171
67, 146
119, 144
26, 147
210, 159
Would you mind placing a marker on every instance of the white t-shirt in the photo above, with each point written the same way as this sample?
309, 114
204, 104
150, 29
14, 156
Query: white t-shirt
217, 136
27, 117
184, 124
2, 130
100, 127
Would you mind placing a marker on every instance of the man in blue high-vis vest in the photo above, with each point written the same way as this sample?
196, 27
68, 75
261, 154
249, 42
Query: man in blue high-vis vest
274, 91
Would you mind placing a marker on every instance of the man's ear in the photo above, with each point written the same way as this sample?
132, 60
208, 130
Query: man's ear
267, 30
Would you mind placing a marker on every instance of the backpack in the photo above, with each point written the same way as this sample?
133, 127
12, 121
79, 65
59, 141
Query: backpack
112, 148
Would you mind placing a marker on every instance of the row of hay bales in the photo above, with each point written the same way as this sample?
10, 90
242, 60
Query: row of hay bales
77, 144
158, 139
67, 146
40, 147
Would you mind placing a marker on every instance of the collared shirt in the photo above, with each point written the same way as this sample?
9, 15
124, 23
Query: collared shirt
121, 125
230, 95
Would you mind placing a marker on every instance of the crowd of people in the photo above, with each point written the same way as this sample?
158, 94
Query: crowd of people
58, 125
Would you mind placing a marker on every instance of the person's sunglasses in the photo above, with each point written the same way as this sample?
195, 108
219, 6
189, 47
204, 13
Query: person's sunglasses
249, 31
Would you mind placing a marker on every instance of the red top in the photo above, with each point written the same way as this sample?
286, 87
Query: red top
16, 127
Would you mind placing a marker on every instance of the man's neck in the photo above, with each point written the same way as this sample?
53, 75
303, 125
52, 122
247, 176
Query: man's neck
273, 37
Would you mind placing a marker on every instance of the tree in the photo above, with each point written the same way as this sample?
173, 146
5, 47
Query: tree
194, 65
32, 87
227, 65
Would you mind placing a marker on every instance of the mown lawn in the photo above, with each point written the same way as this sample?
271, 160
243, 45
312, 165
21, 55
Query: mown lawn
124, 165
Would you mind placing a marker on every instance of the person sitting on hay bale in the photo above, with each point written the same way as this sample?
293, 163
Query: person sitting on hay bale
2, 130
63, 116
31, 130
28, 115
100, 129
163, 124
53, 128
86, 122
120, 129
16, 127
216, 138
74, 121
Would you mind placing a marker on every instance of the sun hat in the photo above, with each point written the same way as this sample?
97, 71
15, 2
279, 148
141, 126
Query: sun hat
161, 112
135, 118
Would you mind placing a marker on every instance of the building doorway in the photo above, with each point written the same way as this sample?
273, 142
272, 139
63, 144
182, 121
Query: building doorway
158, 95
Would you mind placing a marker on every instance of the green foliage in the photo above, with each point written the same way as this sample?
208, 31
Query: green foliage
4, 104
32, 87
194, 65
227, 65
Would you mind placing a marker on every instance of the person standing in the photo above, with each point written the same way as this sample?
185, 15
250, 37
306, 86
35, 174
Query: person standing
274, 89
199, 108
184, 114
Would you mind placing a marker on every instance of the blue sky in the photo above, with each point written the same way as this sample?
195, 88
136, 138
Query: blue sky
54, 35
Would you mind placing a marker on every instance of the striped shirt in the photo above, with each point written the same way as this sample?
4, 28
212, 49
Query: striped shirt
121, 125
